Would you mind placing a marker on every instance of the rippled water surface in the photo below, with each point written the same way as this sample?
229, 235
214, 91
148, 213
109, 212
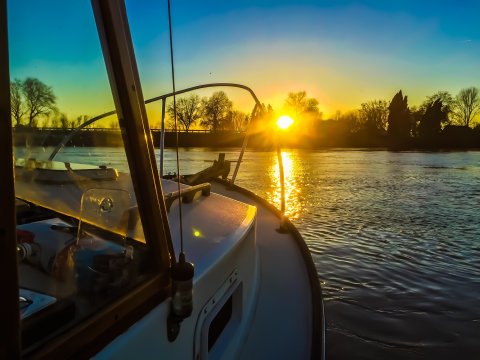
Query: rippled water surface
395, 237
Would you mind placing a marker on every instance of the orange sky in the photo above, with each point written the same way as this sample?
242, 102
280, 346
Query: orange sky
341, 53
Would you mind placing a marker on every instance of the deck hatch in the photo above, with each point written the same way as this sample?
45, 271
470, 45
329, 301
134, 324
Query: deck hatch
219, 320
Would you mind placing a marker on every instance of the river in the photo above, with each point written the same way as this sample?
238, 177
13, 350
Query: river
395, 237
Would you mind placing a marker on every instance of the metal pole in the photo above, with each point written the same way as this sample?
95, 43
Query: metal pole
9, 300
244, 146
282, 228
161, 97
118, 52
71, 134
282, 182
162, 137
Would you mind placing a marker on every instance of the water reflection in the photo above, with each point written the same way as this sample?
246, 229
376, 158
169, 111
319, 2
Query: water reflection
292, 188
394, 236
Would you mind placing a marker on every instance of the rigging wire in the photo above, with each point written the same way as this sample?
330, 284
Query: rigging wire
182, 255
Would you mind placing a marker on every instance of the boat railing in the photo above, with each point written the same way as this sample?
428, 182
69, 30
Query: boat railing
163, 98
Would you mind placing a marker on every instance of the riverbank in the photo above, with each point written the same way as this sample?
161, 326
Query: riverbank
456, 138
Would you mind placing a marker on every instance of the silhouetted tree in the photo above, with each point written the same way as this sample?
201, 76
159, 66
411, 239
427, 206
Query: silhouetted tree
305, 112
337, 116
17, 106
374, 116
299, 104
447, 103
215, 110
113, 124
63, 121
262, 119
266, 112
399, 120
39, 100
466, 106
55, 123
351, 121
83, 118
336, 131
188, 111
416, 114
237, 120
430, 124
76, 122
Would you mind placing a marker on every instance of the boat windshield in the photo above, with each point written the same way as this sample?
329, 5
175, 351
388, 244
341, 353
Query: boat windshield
80, 241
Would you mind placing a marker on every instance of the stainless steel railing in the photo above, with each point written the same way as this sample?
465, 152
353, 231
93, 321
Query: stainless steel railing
163, 99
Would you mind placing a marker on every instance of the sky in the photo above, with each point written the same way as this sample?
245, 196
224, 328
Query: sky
341, 52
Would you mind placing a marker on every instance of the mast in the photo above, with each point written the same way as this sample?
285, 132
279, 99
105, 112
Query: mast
9, 303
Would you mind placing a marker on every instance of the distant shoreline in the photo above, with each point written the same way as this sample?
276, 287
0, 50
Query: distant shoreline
112, 138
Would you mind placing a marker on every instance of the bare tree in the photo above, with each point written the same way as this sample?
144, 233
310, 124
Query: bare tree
337, 116
466, 106
63, 121
81, 119
215, 110
237, 120
446, 98
55, 122
113, 124
262, 118
299, 104
73, 124
374, 115
40, 100
17, 106
350, 120
188, 111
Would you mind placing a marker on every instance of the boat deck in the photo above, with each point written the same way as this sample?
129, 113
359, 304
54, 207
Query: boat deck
287, 321
285, 309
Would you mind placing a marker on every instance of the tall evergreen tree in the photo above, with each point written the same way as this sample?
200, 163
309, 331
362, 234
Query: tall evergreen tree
399, 121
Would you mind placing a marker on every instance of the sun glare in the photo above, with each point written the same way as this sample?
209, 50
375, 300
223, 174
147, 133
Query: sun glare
284, 122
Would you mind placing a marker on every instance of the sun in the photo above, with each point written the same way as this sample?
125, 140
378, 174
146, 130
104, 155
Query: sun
284, 122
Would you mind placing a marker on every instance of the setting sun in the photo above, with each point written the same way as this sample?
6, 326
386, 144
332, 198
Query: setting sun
284, 122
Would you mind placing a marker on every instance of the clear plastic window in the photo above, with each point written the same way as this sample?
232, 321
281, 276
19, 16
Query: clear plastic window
80, 240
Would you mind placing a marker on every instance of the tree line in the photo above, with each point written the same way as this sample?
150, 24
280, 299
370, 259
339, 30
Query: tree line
440, 116
394, 118
214, 113
34, 103
434, 114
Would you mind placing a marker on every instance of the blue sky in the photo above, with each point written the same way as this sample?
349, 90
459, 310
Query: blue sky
341, 52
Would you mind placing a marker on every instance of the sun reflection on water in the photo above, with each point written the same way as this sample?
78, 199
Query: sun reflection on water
292, 190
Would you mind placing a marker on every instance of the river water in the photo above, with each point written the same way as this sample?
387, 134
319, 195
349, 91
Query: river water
395, 237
